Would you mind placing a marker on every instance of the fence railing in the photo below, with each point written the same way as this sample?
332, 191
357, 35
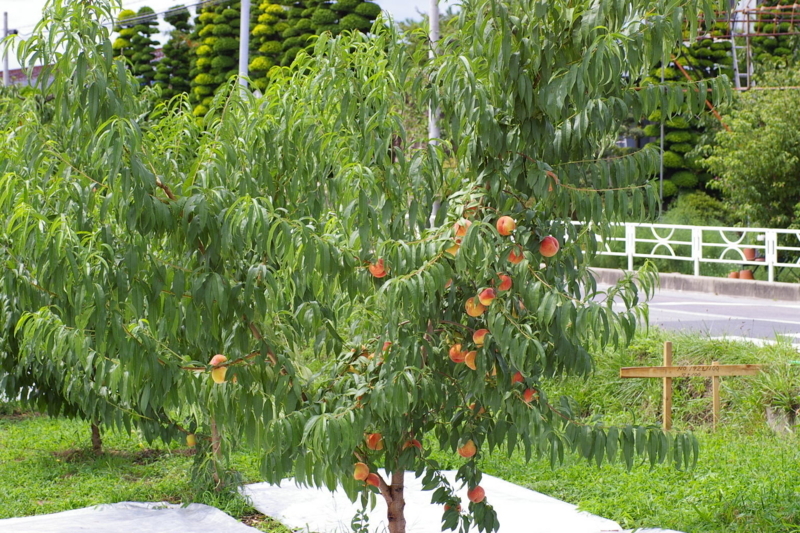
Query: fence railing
757, 247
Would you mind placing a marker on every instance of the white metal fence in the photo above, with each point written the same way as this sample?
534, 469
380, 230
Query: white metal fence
771, 249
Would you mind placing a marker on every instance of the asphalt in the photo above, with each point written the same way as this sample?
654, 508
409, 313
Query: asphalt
719, 316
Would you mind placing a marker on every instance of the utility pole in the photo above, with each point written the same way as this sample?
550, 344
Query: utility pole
244, 44
433, 126
6, 76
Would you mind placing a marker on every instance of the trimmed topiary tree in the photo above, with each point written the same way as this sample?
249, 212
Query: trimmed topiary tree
217, 52
144, 46
123, 45
173, 70
268, 41
778, 47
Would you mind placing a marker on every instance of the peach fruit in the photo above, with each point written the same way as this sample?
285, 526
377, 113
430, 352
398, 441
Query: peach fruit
218, 373
360, 472
468, 449
549, 246
505, 225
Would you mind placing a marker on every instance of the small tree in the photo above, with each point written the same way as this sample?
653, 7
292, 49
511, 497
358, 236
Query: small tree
757, 160
138, 247
123, 45
144, 45
173, 69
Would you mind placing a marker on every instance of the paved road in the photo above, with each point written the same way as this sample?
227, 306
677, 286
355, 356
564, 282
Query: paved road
726, 316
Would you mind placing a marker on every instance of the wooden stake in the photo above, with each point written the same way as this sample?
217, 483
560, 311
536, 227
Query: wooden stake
715, 396
667, 406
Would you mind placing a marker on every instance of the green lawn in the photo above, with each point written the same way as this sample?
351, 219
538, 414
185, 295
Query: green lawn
747, 478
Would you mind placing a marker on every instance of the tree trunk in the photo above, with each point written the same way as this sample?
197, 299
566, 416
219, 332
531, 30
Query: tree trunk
216, 450
395, 501
97, 440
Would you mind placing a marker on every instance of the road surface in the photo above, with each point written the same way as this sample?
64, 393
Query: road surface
726, 316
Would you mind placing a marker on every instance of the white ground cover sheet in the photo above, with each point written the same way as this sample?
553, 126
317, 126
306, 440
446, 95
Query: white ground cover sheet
519, 510
130, 517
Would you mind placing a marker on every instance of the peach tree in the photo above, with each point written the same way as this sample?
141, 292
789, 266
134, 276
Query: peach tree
295, 275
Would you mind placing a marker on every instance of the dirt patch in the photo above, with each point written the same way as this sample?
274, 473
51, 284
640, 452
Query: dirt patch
263, 523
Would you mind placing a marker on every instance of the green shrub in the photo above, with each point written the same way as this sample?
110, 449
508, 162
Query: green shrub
369, 10
203, 79
673, 160
261, 63
222, 30
681, 148
263, 30
226, 44
678, 123
223, 62
324, 16
652, 130
681, 136
270, 47
684, 179
355, 22
669, 190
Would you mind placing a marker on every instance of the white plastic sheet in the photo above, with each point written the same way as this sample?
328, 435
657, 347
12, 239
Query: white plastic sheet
519, 510
130, 517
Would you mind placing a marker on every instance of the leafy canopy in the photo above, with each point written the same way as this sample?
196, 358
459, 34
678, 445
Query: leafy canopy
138, 243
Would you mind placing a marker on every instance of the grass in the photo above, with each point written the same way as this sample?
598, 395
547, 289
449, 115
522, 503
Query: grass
747, 478
46, 466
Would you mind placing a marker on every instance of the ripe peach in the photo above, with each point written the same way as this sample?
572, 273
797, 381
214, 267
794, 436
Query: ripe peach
529, 395
549, 246
505, 282
375, 441
472, 407
378, 269
517, 378
460, 229
453, 250
468, 449
374, 480
469, 359
474, 308
479, 336
447, 507
505, 225
476, 494
360, 472
456, 355
413, 443
386, 345
218, 373
487, 296
516, 255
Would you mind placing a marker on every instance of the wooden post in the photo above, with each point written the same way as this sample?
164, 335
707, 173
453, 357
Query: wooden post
715, 396
667, 406
667, 372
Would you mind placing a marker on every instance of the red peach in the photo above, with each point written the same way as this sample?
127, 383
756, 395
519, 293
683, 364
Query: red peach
505, 225
549, 246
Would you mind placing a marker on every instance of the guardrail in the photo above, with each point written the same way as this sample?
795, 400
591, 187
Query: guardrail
769, 248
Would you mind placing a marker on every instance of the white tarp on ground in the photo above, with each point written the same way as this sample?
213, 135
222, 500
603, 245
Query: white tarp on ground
519, 510
130, 517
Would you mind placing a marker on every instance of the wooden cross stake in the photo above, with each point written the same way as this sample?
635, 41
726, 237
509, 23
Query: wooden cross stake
667, 372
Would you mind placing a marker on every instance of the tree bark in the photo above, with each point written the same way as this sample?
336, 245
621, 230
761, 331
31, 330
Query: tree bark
216, 450
97, 440
395, 502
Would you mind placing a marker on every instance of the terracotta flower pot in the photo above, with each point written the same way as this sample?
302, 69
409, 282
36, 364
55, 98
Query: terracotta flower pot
734, 275
749, 254
746, 274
